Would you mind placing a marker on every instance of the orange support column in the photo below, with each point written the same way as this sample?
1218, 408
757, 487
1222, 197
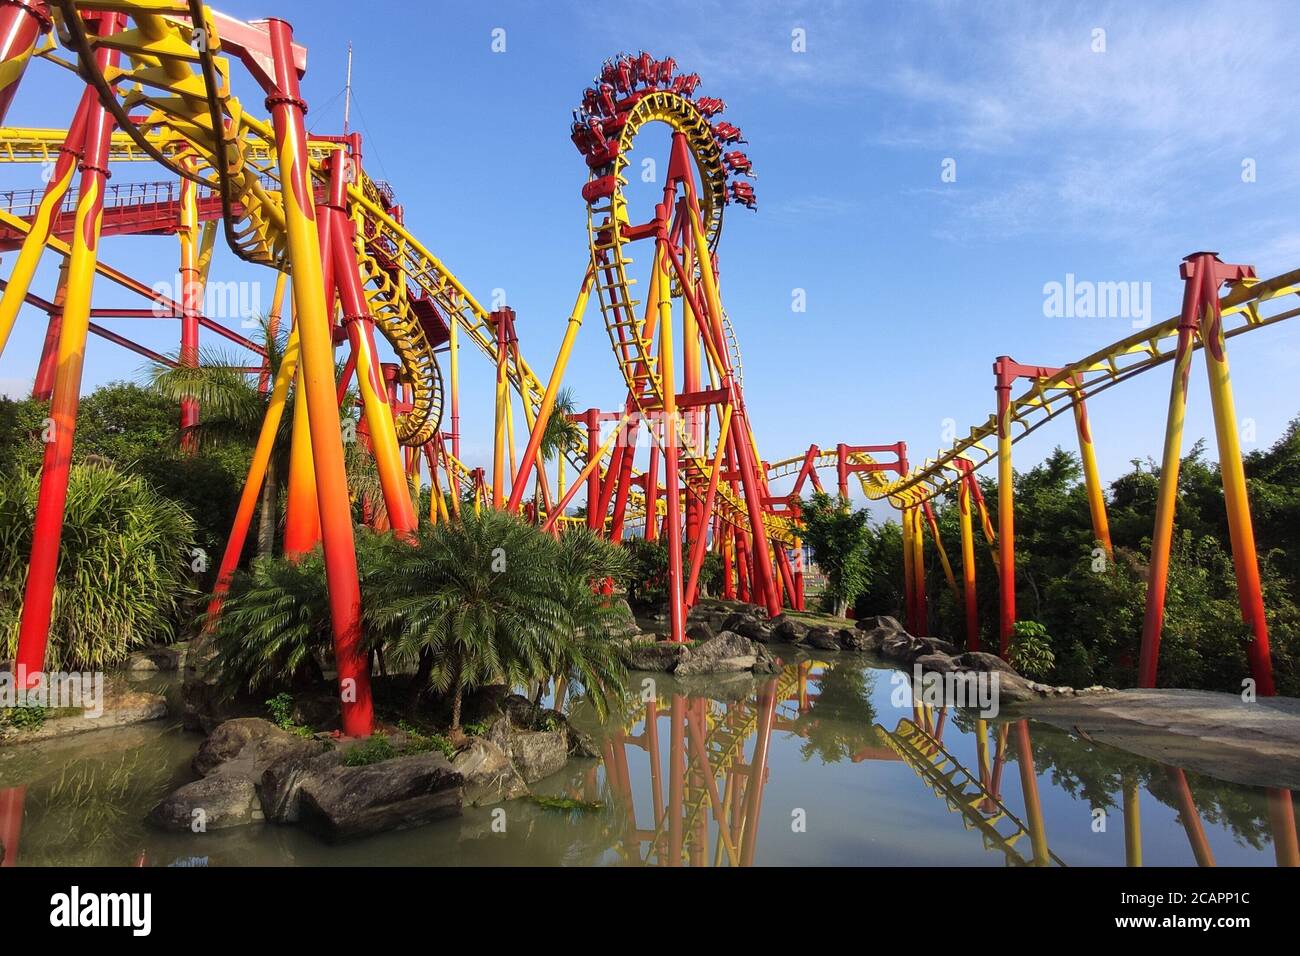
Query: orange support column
1006, 508
969, 598
1091, 478
314, 324
1210, 272
1203, 274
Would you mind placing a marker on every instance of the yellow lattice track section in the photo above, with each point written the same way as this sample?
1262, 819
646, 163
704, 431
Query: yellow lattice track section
633, 350
962, 791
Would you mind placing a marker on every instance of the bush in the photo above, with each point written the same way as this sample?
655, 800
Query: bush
124, 568
1031, 650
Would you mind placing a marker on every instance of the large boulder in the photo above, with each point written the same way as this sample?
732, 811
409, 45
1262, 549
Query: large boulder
754, 629
822, 638
250, 743
726, 653
981, 661
878, 622
662, 656
344, 803
216, 802
280, 784
788, 629
156, 657
489, 775
852, 639
538, 753
938, 663
700, 631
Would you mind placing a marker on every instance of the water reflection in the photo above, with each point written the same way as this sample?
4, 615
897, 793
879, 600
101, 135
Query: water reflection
814, 765
707, 760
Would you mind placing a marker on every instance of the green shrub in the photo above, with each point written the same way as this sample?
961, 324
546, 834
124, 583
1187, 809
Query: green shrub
124, 568
1031, 650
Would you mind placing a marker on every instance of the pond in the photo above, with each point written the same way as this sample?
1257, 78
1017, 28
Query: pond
823, 763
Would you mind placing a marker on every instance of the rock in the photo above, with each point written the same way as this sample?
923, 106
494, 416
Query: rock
215, 803
727, 652
121, 708
700, 631
344, 803
938, 663
939, 646
767, 662
489, 775
538, 753
1014, 689
662, 656
904, 647
482, 704
754, 629
822, 638
788, 629
878, 622
250, 742
980, 661
157, 657
280, 785
852, 639
581, 744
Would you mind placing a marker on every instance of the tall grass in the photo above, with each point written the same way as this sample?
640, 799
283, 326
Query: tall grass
124, 566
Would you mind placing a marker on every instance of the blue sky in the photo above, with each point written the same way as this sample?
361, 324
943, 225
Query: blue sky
1107, 165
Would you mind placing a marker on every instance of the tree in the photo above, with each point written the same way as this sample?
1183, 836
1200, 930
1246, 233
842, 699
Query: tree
492, 599
838, 537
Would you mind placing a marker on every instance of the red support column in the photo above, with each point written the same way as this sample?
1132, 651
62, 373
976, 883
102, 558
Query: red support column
21, 24
38, 595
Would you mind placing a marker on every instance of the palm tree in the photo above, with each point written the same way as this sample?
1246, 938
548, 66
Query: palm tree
585, 562
491, 599
560, 432
232, 410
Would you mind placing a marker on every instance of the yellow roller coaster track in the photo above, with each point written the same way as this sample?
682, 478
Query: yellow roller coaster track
960, 790
1253, 304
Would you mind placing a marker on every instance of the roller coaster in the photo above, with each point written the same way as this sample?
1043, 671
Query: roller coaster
157, 81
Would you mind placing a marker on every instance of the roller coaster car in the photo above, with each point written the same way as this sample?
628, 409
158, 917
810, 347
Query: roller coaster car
710, 105
667, 66
600, 188
738, 162
686, 83
726, 133
624, 75
647, 69
590, 101
743, 193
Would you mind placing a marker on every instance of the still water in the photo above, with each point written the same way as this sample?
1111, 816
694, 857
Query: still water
817, 765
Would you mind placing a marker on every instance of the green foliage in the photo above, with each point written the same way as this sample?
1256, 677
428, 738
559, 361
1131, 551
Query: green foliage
566, 804
839, 538
137, 431
418, 742
492, 599
1030, 651
374, 750
1092, 607
24, 718
281, 708
647, 579
274, 627
124, 566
